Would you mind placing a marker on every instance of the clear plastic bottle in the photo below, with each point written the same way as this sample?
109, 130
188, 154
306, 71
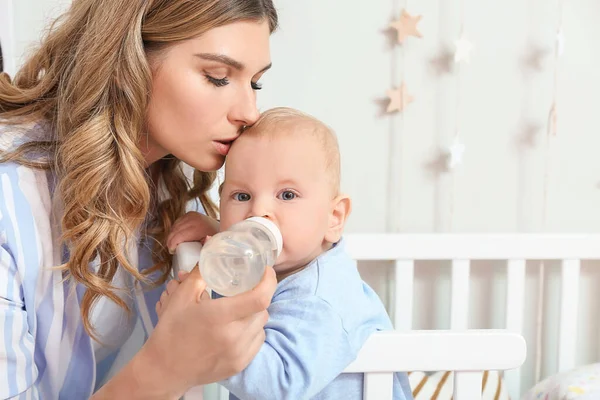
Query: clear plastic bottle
186, 256
233, 261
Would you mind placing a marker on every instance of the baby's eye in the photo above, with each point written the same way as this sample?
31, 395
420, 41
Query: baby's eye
241, 196
287, 195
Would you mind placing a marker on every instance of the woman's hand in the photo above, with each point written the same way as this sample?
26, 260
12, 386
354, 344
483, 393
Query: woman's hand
196, 341
193, 226
173, 284
201, 341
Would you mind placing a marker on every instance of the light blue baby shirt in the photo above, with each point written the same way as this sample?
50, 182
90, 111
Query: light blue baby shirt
319, 319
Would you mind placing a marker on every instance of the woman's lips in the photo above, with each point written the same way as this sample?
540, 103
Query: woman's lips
222, 147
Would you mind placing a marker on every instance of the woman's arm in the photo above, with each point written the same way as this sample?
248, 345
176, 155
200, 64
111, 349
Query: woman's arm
195, 342
142, 378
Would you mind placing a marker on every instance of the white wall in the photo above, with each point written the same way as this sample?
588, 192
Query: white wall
31, 18
332, 59
7, 36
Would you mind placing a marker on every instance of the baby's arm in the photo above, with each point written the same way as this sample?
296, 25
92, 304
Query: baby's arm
193, 226
305, 349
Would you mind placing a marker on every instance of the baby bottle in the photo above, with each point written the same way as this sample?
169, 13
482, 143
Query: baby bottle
233, 261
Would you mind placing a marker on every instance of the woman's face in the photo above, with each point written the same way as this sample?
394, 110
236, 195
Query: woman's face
204, 92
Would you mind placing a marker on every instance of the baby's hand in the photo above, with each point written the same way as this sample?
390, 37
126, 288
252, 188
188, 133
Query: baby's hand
172, 286
193, 226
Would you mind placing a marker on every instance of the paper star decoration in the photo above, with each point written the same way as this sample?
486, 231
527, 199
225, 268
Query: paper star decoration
533, 60
399, 98
406, 26
456, 152
442, 63
560, 42
463, 50
528, 135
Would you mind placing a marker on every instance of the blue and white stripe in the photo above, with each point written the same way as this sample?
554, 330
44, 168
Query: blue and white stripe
44, 351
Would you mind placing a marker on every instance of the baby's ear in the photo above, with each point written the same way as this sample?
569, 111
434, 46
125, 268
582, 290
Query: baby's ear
340, 210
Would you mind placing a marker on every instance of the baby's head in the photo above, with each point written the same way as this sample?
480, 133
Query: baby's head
287, 167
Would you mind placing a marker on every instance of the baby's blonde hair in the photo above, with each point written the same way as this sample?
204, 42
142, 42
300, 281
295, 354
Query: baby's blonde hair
284, 120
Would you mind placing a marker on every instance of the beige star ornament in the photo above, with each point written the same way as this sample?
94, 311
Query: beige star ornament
406, 26
399, 98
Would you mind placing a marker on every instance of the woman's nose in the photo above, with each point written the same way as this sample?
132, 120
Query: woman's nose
245, 112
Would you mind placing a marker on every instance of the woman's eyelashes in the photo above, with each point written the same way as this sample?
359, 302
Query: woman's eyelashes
216, 81
220, 82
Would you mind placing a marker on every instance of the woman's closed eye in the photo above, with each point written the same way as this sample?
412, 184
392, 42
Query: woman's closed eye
220, 82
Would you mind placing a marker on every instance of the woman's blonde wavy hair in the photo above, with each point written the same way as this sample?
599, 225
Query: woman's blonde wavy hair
89, 82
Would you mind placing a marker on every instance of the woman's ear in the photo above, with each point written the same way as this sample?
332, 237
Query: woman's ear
340, 210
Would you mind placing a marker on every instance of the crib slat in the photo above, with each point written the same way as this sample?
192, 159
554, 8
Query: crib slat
195, 393
515, 276
515, 300
459, 306
403, 294
569, 298
467, 385
222, 393
378, 386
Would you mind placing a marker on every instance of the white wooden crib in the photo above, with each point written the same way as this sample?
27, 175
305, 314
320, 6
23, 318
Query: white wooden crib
461, 250
444, 350
466, 353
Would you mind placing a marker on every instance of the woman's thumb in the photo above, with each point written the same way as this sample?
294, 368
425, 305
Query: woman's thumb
196, 277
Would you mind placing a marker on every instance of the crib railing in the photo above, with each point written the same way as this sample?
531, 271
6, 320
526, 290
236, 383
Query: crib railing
461, 249
466, 353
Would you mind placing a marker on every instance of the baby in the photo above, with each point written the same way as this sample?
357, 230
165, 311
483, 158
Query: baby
286, 167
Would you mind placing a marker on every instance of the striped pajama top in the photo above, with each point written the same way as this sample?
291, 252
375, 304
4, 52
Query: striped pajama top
45, 352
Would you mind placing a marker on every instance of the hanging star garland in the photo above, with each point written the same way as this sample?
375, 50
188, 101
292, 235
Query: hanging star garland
406, 26
463, 50
560, 42
455, 154
399, 98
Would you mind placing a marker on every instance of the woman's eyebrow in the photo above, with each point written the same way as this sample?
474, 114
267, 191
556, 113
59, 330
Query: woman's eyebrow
222, 58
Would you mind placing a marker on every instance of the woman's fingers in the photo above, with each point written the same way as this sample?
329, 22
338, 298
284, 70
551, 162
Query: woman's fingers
158, 308
215, 338
170, 289
181, 275
172, 286
193, 281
